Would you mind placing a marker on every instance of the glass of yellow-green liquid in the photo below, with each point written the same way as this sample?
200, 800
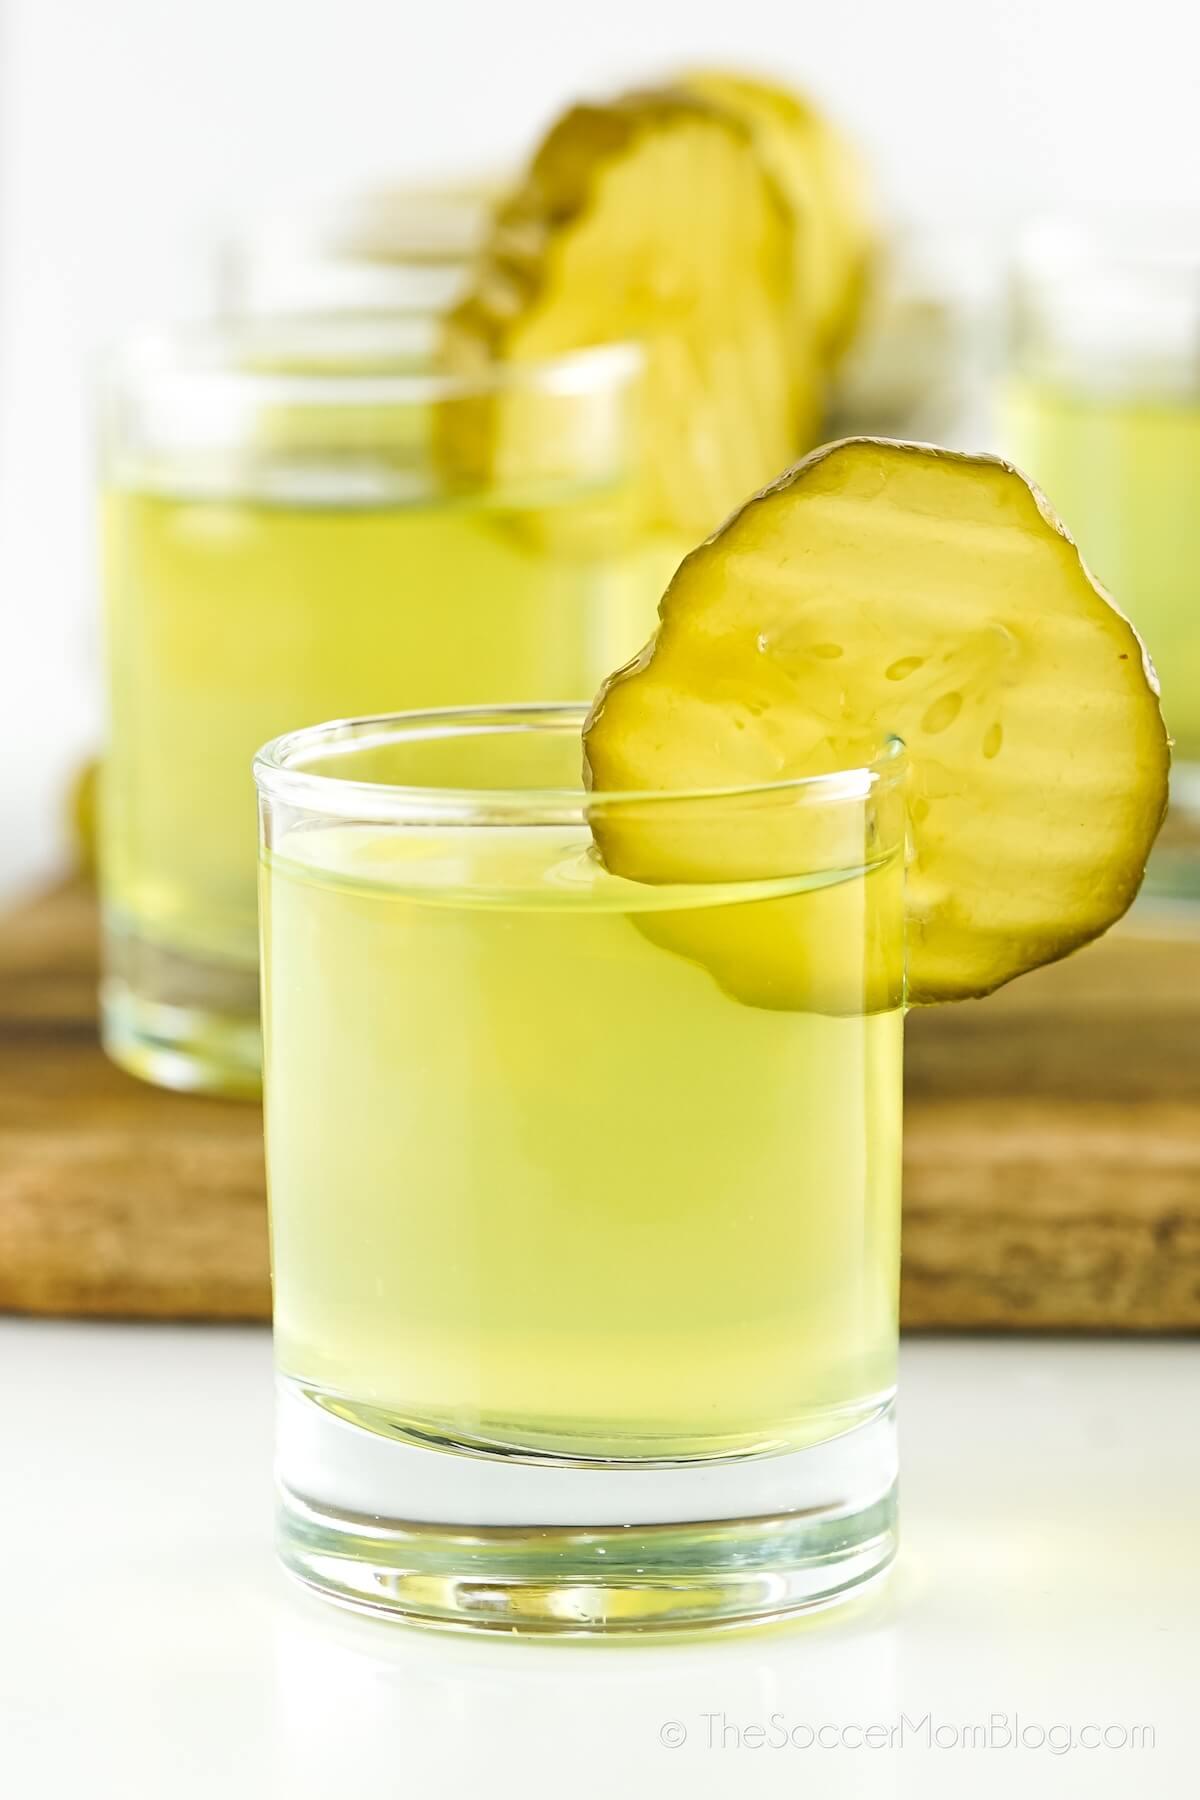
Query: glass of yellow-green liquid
304, 520
585, 1253
1101, 406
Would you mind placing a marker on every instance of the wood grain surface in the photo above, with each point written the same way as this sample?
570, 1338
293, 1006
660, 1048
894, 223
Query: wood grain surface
1052, 1160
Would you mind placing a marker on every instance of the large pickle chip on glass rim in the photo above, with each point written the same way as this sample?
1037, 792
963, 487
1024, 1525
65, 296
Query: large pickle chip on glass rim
820, 171
881, 591
652, 220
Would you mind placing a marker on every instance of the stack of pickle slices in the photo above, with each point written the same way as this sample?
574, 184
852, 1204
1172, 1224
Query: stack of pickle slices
721, 224
878, 598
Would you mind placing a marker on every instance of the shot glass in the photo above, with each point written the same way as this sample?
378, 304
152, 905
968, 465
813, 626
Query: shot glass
1100, 403
584, 1190
383, 251
311, 519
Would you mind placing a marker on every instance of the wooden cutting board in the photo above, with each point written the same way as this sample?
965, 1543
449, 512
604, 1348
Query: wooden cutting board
1052, 1162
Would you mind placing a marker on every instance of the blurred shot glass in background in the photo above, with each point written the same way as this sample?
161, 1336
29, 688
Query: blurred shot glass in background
1100, 405
304, 519
381, 252
585, 1246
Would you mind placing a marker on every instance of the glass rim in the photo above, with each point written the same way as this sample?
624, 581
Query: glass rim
403, 225
279, 778
1108, 303
215, 353
1150, 245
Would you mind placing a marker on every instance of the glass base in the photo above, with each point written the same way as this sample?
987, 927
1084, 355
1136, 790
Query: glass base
180, 1021
449, 1537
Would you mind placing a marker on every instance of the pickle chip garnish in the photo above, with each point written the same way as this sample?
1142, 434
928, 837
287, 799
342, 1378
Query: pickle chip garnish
881, 592
653, 220
820, 171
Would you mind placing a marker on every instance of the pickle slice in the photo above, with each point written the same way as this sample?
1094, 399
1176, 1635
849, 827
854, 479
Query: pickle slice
820, 171
881, 590
651, 219
835, 950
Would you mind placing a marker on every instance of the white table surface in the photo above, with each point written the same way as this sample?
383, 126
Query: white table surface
149, 1646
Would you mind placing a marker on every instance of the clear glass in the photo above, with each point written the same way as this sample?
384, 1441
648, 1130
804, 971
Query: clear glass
1100, 404
307, 520
918, 365
584, 1190
387, 251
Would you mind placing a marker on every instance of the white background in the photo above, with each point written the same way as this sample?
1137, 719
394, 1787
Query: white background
131, 131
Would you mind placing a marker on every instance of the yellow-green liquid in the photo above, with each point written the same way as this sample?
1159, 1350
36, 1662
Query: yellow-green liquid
233, 619
1124, 474
538, 1181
